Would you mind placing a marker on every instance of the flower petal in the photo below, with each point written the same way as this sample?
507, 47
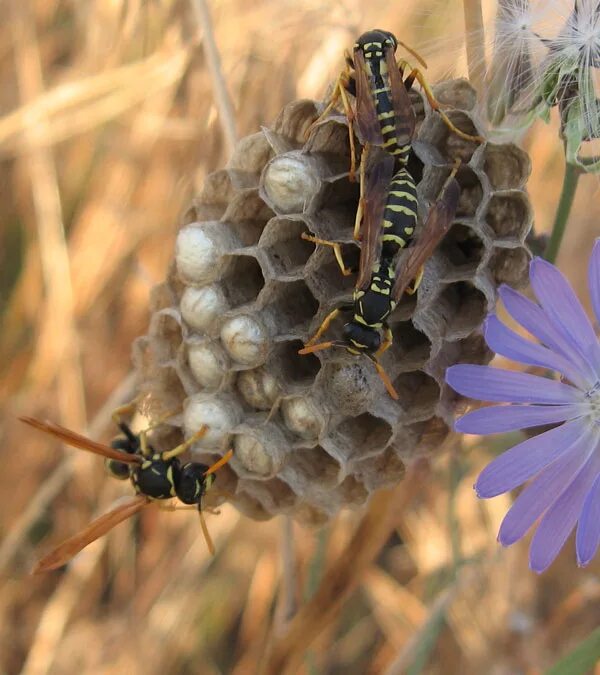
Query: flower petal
533, 319
500, 418
558, 522
594, 279
588, 529
494, 384
542, 492
513, 467
506, 342
563, 309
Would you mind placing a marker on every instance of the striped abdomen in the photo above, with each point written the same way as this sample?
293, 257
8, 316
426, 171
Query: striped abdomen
400, 214
384, 107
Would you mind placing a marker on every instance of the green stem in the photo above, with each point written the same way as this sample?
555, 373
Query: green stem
572, 173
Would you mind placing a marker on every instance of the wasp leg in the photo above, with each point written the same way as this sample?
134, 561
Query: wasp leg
361, 201
414, 52
388, 339
324, 326
125, 410
416, 74
182, 447
337, 249
161, 420
411, 290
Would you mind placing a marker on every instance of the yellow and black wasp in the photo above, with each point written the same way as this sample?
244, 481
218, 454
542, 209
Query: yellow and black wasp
383, 277
156, 476
376, 81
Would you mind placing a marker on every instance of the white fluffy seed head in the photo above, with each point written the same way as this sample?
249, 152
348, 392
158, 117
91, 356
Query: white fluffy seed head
303, 417
252, 455
258, 388
246, 340
208, 362
290, 183
219, 413
199, 251
200, 307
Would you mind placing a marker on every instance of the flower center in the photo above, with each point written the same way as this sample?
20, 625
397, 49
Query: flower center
593, 397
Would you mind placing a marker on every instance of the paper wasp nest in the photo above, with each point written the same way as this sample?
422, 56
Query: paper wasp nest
315, 433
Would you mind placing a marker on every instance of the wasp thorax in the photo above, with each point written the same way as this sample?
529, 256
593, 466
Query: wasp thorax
235, 366
156, 477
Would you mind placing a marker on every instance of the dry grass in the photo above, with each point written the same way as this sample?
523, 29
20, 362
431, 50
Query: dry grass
112, 114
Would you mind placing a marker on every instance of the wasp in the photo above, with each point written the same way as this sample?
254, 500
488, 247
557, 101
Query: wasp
383, 277
155, 476
376, 81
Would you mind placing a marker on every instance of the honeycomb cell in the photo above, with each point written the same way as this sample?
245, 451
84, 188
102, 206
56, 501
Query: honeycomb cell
352, 492
309, 468
458, 94
295, 119
294, 368
451, 145
244, 280
509, 215
463, 308
201, 307
199, 251
274, 494
248, 159
411, 347
246, 216
429, 434
212, 202
326, 278
250, 506
166, 327
328, 137
284, 246
506, 166
509, 266
356, 437
464, 248
258, 388
290, 182
471, 192
380, 471
252, 455
167, 381
349, 384
304, 417
220, 413
208, 363
246, 340
293, 307
418, 393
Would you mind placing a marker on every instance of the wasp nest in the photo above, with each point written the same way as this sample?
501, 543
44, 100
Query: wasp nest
315, 433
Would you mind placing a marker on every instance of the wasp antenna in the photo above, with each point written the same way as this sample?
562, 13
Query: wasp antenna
410, 50
219, 463
206, 533
316, 348
169, 454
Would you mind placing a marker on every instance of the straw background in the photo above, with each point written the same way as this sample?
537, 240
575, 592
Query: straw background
110, 117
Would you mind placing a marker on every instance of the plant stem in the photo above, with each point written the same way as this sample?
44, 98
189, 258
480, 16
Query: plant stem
572, 173
474, 42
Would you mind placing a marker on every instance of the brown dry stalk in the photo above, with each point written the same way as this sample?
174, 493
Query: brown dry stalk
475, 45
340, 580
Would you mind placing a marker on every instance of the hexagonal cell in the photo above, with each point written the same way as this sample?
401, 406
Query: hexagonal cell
169, 390
450, 144
471, 192
247, 215
250, 155
212, 202
291, 181
509, 215
473, 349
430, 434
283, 243
352, 492
509, 266
327, 278
166, 331
304, 417
349, 384
464, 248
249, 505
418, 393
244, 280
246, 340
463, 308
273, 494
291, 367
252, 455
411, 348
258, 388
309, 469
380, 471
331, 137
506, 166
293, 307
456, 94
208, 363
295, 119
342, 193
361, 436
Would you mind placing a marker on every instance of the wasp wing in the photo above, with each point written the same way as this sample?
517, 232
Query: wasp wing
437, 224
378, 174
366, 120
404, 114
96, 529
78, 441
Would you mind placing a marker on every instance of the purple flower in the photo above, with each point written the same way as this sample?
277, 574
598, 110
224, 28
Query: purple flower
564, 462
